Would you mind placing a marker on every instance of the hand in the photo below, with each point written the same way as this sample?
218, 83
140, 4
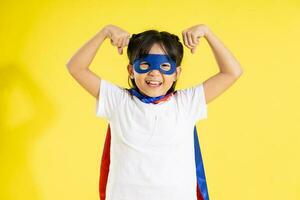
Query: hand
118, 37
191, 36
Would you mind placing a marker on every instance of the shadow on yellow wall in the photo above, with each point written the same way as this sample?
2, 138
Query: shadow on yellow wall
19, 130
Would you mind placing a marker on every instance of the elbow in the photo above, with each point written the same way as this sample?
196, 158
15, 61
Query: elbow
73, 70
234, 75
69, 68
238, 73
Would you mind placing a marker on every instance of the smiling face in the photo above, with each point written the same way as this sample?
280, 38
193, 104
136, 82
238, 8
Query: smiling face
154, 83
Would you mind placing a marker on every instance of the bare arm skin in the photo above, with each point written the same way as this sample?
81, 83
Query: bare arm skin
78, 65
230, 69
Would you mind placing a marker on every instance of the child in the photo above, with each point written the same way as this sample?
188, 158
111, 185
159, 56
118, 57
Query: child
152, 125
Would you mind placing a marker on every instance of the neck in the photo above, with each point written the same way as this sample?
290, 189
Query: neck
148, 95
147, 99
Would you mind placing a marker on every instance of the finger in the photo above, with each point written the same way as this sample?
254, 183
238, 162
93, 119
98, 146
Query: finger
119, 43
189, 37
124, 42
120, 50
193, 50
195, 39
114, 42
185, 40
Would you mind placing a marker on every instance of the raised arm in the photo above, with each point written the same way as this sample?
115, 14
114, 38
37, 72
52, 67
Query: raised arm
78, 65
230, 69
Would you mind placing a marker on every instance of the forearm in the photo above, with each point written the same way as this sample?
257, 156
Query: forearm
225, 59
84, 56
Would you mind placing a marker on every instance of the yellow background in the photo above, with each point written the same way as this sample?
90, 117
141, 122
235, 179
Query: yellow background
51, 140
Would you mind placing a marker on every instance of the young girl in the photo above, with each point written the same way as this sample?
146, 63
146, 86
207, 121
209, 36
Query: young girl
153, 150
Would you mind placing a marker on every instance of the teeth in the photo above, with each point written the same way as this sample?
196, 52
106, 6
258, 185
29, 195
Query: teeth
154, 82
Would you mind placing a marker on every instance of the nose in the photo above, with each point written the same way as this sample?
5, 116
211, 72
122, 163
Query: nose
154, 72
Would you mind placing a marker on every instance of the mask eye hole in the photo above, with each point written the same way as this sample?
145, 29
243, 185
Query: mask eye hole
165, 66
144, 65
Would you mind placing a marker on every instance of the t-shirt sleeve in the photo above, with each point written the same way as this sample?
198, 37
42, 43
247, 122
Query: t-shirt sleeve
193, 100
109, 97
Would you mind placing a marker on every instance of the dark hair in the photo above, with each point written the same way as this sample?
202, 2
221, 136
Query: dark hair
141, 43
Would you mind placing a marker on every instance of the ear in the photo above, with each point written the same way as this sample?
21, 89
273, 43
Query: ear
178, 71
130, 69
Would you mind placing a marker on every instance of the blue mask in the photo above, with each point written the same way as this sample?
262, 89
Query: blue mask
160, 62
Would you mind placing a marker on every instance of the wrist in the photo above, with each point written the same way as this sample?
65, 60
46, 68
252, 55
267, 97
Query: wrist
104, 32
207, 31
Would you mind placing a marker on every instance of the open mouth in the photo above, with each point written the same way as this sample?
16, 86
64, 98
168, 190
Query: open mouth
154, 83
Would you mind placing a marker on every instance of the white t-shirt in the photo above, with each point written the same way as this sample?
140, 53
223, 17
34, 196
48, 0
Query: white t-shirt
152, 145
